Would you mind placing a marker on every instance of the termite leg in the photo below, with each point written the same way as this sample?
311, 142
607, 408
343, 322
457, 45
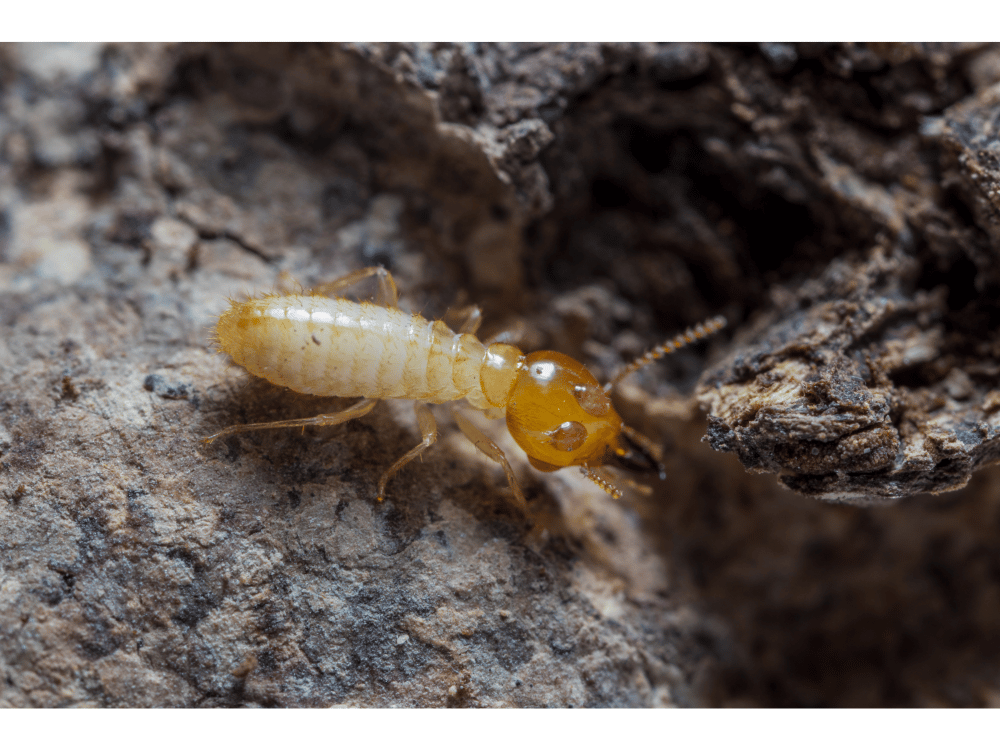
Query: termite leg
428, 429
465, 319
512, 335
386, 296
322, 420
491, 450
473, 319
602, 480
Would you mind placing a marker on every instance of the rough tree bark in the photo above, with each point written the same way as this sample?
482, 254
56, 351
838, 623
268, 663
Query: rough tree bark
840, 204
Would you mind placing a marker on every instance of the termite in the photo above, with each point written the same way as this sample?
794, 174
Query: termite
324, 344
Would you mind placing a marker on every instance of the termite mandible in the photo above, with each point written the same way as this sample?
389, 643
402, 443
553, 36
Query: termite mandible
321, 343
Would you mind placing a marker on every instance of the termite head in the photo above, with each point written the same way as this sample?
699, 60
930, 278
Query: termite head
559, 414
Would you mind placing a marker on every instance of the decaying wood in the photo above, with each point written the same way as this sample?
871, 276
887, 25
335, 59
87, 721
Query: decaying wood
838, 204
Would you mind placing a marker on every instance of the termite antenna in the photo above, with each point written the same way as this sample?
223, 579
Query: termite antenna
692, 334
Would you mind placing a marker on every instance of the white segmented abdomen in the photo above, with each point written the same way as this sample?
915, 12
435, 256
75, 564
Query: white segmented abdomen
335, 347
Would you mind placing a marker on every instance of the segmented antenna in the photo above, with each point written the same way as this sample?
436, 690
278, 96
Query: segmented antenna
692, 334
602, 480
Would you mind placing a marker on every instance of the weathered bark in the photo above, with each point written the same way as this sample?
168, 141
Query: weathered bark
838, 203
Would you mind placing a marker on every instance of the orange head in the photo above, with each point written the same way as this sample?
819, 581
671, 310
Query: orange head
559, 414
